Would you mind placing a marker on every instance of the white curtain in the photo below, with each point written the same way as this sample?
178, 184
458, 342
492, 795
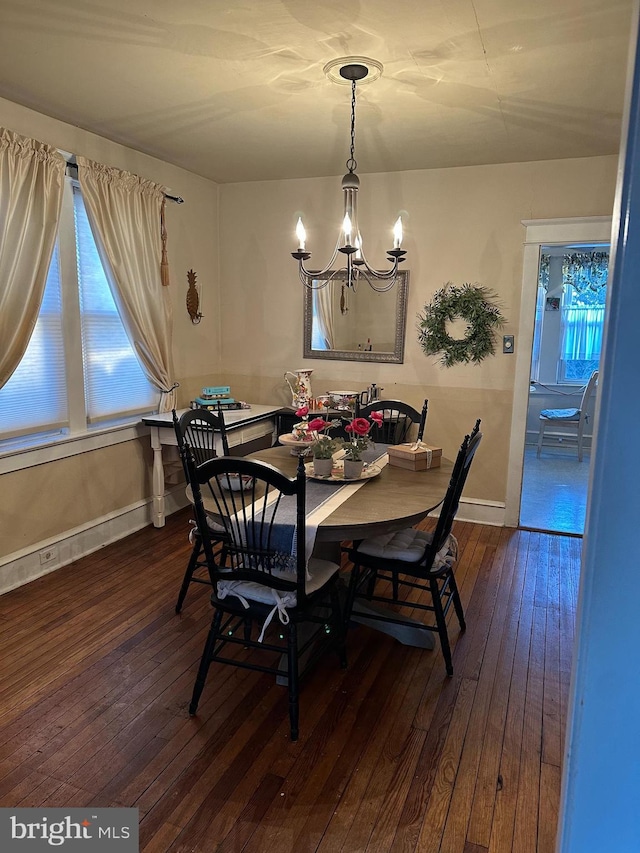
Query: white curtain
31, 186
125, 216
323, 316
583, 326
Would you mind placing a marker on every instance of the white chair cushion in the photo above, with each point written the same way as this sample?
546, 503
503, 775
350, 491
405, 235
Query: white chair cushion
408, 546
318, 571
215, 528
560, 414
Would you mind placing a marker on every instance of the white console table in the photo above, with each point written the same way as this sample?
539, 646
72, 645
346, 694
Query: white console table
243, 426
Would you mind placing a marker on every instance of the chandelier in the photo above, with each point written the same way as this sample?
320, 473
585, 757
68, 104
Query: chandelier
349, 243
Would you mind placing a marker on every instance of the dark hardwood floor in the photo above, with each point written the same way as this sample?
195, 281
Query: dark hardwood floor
97, 672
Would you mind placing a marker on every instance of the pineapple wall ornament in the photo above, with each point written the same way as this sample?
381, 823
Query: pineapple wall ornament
193, 299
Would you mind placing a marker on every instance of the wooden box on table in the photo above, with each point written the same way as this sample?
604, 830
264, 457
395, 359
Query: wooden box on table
414, 458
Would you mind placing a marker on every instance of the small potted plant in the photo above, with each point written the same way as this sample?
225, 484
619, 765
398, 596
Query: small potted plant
358, 429
323, 446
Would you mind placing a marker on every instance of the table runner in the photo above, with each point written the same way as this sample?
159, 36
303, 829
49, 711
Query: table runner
319, 505
321, 499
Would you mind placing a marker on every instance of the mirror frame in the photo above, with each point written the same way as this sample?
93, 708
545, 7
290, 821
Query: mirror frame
395, 357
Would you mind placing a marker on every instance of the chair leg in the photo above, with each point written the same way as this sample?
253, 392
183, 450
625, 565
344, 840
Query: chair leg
580, 440
371, 583
338, 625
395, 586
247, 630
351, 594
191, 567
457, 602
441, 622
205, 661
540, 438
292, 661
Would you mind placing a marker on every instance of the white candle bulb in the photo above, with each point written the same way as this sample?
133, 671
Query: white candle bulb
358, 244
397, 233
346, 227
301, 234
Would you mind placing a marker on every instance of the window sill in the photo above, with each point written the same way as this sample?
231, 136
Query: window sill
26, 454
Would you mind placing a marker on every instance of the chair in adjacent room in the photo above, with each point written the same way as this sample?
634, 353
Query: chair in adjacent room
199, 428
266, 578
397, 420
402, 569
571, 419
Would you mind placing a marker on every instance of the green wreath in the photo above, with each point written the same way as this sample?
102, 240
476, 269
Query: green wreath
471, 303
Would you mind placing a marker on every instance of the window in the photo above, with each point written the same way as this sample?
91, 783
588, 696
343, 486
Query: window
79, 368
570, 311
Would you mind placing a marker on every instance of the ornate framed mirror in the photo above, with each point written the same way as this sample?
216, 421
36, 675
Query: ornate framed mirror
360, 325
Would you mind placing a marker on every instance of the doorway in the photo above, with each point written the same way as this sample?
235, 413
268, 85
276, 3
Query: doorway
567, 341
550, 492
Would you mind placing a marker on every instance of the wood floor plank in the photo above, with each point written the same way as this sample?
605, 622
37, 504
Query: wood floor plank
552, 711
97, 671
525, 825
439, 802
550, 779
504, 632
505, 805
455, 831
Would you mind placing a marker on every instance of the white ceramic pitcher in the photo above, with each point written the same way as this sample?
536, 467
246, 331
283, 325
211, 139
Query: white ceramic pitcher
300, 388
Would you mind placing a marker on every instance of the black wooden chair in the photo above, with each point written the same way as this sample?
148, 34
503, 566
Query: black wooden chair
389, 568
266, 577
397, 420
198, 428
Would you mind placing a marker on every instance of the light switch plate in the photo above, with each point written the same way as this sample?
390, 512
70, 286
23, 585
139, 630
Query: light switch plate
507, 343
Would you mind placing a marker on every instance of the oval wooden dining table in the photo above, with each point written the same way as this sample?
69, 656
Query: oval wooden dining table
395, 499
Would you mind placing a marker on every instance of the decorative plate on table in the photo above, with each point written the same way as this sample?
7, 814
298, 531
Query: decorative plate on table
337, 473
297, 446
235, 482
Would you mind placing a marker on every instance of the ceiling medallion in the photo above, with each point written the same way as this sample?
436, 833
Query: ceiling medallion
373, 69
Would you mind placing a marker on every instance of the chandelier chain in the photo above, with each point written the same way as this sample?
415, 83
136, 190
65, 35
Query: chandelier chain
352, 165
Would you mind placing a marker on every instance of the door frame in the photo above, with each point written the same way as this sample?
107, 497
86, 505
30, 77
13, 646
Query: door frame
539, 232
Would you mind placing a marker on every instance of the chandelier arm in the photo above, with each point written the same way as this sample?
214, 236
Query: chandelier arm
380, 274
391, 282
307, 276
309, 282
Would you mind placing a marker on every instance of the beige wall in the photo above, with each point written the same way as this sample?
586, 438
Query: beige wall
460, 224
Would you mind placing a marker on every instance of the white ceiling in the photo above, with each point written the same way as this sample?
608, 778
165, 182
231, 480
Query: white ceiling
235, 91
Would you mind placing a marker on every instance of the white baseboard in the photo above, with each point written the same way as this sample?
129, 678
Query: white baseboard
481, 512
24, 566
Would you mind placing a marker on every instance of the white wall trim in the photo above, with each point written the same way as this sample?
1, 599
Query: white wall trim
538, 232
15, 457
24, 566
481, 512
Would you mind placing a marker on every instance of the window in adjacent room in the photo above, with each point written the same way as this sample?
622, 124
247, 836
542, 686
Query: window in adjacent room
79, 368
570, 312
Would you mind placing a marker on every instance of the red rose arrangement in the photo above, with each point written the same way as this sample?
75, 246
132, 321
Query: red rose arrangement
323, 445
359, 429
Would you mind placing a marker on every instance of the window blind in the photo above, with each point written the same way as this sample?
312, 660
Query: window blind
115, 384
35, 397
